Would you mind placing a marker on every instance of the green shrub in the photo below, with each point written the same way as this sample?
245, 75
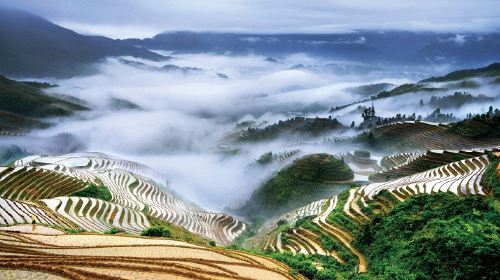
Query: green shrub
93, 191
157, 231
113, 230
211, 243
490, 180
73, 231
265, 158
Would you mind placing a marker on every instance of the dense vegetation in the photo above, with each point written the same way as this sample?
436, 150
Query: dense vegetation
27, 100
295, 126
99, 192
404, 88
479, 126
457, 99
157, 231
307, 179
439, 236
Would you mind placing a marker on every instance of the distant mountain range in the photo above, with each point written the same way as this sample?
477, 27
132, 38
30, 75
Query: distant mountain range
467, 50
31, 46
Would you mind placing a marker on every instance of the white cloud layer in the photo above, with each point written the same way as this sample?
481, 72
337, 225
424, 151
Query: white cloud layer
127, 18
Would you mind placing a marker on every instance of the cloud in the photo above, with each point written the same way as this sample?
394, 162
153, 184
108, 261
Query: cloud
126, 18
186, 116
187, 123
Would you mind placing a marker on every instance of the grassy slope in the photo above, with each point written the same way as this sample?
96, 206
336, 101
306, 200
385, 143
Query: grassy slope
178, 233
28, 101
302, 182
490, 70
484, 126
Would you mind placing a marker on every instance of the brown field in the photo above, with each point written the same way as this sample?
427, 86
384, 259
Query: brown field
94, 256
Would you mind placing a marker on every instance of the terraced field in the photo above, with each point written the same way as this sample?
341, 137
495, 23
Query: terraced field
117, 257
98, 215
31, 183
406, 164
52, 179
13, 212
335, 217
428, 136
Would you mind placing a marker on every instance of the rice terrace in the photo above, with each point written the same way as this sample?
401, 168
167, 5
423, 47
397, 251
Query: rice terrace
250, 140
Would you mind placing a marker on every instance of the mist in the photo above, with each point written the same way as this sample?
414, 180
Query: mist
181, 119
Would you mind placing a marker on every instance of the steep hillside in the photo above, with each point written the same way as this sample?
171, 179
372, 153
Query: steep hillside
34, 47
22, 105
76, 187
384, 229
306, 179
415, 135
492, 71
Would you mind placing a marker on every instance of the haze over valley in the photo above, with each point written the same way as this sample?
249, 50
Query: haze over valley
305, 145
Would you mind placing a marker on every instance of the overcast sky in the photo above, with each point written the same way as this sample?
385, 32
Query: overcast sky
145, 18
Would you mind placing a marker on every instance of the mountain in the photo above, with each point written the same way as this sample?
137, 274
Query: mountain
31, 46
23, 103
467, 50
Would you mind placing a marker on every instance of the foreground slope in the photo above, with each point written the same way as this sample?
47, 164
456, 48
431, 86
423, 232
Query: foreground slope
337, 229
92, 256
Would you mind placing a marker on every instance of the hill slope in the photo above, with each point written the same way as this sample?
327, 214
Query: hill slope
53, 181
305, 180
31, 46
21, 103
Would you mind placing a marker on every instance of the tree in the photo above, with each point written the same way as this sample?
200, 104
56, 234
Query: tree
353, 124
368, 113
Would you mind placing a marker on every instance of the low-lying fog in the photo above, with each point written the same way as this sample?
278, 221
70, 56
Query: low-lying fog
186, 113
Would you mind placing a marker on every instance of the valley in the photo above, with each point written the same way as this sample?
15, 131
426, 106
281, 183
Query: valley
370, 153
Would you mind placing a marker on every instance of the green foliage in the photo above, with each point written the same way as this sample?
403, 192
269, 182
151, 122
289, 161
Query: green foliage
211, 243
157, 231
297, 125
490, 180
439, 236
265, 158
307, 179
113, 230
73, 231
93, 191
177, 232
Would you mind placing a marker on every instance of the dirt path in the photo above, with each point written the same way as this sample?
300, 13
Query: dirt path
30, 229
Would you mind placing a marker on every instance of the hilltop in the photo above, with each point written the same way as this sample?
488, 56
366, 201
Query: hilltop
34, 47
305, 180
